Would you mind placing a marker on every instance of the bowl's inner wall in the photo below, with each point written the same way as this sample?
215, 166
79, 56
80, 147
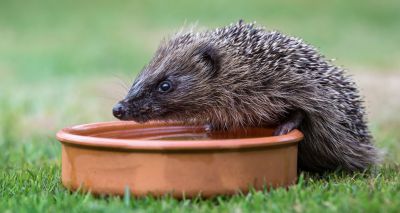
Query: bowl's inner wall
180, 133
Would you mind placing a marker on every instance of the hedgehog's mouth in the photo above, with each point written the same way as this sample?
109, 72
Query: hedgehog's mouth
140, 119
141, 115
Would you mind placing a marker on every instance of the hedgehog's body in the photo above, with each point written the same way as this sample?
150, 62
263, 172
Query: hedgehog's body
242, 75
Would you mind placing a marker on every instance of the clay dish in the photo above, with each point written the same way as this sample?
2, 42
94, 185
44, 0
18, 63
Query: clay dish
184, 161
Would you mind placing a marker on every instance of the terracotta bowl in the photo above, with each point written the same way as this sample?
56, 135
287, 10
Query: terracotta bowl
184, 161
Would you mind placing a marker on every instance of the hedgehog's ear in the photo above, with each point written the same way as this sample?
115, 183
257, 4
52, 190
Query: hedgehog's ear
210, 57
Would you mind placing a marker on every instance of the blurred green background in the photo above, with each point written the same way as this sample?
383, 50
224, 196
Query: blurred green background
68, 62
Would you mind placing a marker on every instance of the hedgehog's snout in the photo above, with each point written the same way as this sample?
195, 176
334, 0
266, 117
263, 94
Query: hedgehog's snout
124, 110
119, 111
131, 110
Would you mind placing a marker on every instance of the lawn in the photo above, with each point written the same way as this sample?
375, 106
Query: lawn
67, 62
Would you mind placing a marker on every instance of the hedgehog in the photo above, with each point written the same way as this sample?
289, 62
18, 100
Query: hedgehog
243, 75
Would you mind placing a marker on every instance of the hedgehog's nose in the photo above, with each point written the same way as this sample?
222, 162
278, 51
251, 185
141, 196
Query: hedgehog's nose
118, 111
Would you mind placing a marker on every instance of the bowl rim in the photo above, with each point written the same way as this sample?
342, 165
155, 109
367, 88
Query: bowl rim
73, 136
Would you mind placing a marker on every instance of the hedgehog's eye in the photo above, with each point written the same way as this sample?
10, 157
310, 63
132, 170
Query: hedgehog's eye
165, 86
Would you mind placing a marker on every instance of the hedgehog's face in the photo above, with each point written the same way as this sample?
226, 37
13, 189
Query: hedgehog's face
176, 85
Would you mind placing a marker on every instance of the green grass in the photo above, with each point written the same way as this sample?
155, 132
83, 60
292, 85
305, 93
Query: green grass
39, 190
61, 61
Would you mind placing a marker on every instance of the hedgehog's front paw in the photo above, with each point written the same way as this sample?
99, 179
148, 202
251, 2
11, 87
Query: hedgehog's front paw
284, 128
290, 124
209, 127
